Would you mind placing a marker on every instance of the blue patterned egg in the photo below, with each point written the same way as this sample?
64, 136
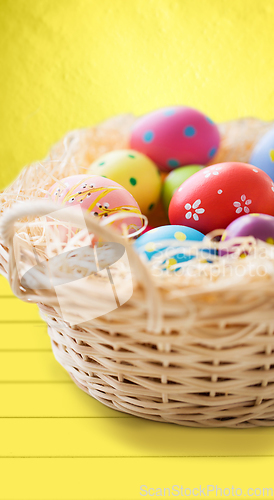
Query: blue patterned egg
168, 240
263, 154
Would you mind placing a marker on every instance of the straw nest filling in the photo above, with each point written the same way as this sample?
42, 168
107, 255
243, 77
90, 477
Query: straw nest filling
193, 346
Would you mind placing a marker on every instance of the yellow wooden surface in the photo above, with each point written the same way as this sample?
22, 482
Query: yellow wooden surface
67, 64
56, 435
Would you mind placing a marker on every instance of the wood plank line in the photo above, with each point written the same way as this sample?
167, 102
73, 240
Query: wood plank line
122, 415
123, 457
127, 437
60, 400
26, 350
36, 382
7, 297
22, 322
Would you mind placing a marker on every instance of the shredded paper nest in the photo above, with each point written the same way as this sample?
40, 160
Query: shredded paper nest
193, 344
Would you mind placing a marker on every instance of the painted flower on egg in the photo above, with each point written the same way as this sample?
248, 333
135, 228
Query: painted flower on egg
242, 205
194, 210
213, 197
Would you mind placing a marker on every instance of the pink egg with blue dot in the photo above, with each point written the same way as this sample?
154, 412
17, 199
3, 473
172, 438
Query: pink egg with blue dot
176, 136
100, 198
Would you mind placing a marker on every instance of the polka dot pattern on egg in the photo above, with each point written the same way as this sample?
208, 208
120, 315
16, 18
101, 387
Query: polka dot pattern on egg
148, 136
189, 131
135, 172
180, 236
174, 137
172, 162
169, 112
167, 241
150, 247
170, 263
212, 152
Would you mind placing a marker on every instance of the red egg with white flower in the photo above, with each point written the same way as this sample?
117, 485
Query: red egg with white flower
213, 197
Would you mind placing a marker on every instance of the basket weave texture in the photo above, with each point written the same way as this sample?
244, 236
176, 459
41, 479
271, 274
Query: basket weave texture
193, 350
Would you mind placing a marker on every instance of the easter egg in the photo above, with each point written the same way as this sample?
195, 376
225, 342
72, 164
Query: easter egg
100, 198
261, 226
176, 136
263, 154
175, 179
135, 172
215, 196
155, 241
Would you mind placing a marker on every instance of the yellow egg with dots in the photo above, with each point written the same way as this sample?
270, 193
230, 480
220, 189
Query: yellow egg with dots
135, 172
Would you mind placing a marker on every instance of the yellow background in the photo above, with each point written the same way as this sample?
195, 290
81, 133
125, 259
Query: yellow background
71, 63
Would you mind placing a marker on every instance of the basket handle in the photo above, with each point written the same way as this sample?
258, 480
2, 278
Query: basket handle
45, 207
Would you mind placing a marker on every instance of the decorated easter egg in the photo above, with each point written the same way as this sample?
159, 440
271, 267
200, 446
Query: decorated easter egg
156, 241
175, 179
263, 154
261, 226
135, 172
100, 197
176, 136
216, 195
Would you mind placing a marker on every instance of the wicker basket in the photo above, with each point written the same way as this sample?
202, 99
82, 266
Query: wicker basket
189, 350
